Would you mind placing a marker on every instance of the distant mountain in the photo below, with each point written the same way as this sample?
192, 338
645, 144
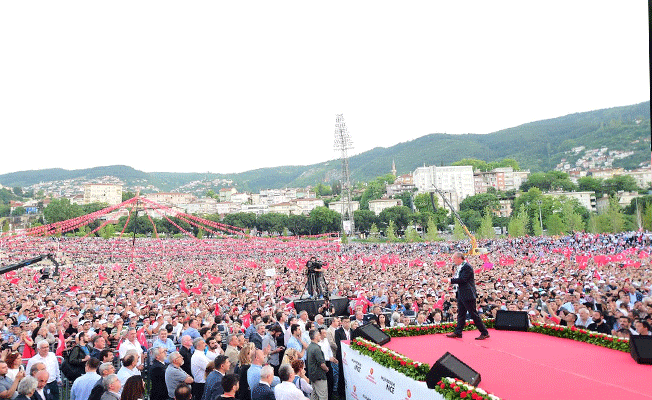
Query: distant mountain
537, 146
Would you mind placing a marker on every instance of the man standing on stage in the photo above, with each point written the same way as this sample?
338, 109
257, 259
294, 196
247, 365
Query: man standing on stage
466, 295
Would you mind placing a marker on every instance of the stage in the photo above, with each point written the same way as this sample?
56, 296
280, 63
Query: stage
526, 365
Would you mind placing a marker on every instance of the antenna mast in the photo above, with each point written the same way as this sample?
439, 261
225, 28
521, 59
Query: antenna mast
343, 143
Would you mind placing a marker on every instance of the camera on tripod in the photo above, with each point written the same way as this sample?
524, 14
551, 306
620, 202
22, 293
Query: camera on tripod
313, 266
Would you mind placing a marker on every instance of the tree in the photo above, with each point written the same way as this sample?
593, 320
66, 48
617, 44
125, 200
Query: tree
406, 199
475, 163
400, 215
536, 227
18, 211
518, 224
590, 184
423, 204
620, 183
548, 181
390, 232
60, 210
431, 233
572, 220
323, 220
375, 190
373, 231
486, 230
480, 203
128, 195
299, 224
364, 219
411, 234
555, 225
18, 191
458, 231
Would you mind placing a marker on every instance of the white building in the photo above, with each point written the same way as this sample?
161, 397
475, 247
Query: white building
457, 179
102, 193
377, 206
340, 207
170, 199
305, 205
587, 199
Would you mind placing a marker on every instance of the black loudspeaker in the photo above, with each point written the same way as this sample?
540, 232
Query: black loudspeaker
511, 320
312, 306
452, 367
641, 348
373, 333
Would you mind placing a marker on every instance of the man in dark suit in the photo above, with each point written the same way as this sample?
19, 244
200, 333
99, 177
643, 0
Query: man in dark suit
263, 389
186, 351
157, 375
466, 295
341, 333
42, 391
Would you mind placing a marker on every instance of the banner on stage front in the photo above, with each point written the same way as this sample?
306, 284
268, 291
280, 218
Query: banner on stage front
368, 380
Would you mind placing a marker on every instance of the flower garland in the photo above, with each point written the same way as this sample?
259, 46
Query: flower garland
432, 329
391, 359
582, 335
450, 388
456, 389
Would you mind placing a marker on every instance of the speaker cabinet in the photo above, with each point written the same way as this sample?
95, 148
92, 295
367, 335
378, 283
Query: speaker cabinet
450, 366
640, 348
373, 333
511, 320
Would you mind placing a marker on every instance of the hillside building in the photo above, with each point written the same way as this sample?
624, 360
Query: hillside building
377, 206
102, 193
340, 206
586, 199
458, 181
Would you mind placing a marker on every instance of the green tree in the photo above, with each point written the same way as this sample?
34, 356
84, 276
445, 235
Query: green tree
299, 224
549, 181
128, 195
431, 232
475, 163
364, 219
200, 233
18, 211
518, 224
390, 232
423, 204
400, 215
411, 234
555, 225
323, 220
373, 231
536, 227
620, 183
18, 191
458, 231
486, 230
60, 210
590, 184
375, 190
480, 203
572, 220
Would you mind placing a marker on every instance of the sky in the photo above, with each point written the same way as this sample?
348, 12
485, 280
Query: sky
222, 87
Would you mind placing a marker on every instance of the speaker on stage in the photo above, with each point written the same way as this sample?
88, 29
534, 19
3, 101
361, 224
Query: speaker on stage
373, 333
450, 366
640, 348
511, 320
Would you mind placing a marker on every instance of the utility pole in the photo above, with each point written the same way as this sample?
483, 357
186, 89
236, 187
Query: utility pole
343, 144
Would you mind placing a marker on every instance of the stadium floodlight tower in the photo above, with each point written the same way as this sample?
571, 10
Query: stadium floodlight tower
343, 144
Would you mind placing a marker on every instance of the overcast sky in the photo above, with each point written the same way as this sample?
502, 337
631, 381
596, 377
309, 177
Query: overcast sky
233, 86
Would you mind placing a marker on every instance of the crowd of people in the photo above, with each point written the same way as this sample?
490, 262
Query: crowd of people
213, 324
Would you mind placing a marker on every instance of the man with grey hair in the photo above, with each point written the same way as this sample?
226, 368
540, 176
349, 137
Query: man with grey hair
112, 387
466, 297
131, 343
263, 390
104, 370
232, 351
157, 374
27, 386
198, 363
42, 391
48, 358
186, 352
174, 375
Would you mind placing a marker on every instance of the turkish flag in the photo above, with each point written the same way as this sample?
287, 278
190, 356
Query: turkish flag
61, 344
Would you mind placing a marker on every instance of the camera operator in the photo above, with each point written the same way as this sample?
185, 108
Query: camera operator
315, 278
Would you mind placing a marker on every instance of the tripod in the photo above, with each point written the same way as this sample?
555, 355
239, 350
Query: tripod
316, 286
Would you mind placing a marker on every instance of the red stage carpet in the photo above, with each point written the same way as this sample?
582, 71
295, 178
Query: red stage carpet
526, 365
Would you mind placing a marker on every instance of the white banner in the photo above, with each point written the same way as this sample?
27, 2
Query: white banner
368, 380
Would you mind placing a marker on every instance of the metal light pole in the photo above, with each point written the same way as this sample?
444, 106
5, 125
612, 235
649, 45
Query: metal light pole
540, 220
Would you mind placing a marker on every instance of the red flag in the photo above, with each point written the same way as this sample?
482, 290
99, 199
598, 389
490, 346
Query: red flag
215, 280
140, 335
291, 265
101, 276
596, 275
440, 264
217, 309
484, 257
487, 266
14, 281
197, 289
182, 286
169, 275
62, 344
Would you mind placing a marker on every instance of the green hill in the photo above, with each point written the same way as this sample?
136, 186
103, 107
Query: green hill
537, 146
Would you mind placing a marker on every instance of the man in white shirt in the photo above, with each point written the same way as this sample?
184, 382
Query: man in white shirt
131, 343
214, 347
329, 357
198, 363
286, 390
48, 358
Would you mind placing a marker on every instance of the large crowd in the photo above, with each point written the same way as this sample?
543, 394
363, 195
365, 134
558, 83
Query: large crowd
218, 324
